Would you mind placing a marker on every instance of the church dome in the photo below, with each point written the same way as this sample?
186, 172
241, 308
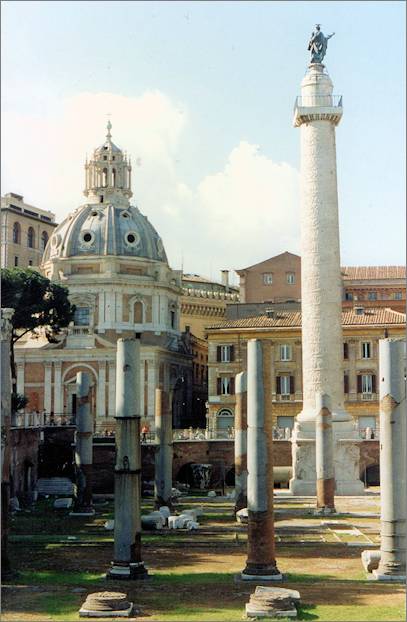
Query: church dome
107, 224
102, 230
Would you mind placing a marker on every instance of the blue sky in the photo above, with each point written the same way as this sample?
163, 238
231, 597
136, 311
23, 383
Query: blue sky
213, 85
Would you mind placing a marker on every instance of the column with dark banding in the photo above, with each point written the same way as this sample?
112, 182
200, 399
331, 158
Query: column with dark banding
261, 562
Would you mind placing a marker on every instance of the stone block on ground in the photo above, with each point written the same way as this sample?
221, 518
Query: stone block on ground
165, 511
63, 504
273, 602
192, 525
370, 560
211, 493
154, 520
242, 516
174, 522
109, 525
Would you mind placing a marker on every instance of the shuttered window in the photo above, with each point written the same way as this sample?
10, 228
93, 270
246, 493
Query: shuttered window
285, 385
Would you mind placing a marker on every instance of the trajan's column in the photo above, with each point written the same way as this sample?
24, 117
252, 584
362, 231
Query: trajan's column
317, 113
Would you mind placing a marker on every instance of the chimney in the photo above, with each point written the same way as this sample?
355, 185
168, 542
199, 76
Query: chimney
270, 313
225, 279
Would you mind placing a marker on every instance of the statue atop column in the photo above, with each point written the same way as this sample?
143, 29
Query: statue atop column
318, 44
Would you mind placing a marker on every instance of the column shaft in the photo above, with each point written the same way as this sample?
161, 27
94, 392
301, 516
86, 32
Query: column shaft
324, 455
392, 459
127, 562
261, 561
164, 450
241, 441
84, 445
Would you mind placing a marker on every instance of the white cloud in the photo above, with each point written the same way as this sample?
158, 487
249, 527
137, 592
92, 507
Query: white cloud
243, 214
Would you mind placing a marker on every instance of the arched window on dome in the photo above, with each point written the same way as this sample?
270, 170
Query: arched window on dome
16, 233
104, 178
44, 240
30, 237
114, 178
138, 313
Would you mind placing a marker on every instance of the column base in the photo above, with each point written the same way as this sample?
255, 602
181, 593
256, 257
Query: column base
130, 572
388, 578
260, 577
260, 573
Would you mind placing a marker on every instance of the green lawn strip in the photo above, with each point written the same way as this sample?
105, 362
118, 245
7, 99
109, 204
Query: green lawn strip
351, 613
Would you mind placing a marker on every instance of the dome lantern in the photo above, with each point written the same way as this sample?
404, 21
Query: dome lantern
108, 174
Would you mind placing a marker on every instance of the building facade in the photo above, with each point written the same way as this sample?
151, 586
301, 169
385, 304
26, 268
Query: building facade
278, 280
227, 356
114, 264
204, 301
25, 231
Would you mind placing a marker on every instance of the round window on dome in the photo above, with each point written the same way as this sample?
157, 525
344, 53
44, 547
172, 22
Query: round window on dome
87, 237
56, 240
132, 238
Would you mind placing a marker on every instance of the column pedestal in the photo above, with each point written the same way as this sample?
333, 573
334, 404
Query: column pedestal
346, 459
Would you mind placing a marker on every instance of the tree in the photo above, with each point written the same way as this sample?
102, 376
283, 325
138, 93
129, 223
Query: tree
37, 303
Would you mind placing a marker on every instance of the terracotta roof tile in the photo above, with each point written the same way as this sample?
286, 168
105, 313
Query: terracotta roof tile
284, 319
361, 273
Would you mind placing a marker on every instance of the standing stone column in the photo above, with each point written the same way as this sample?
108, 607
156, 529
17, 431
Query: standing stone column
324, 457
6, 389
83, 446
317, 113
393, 497
261, 562
163, 450
241, 441
127, 562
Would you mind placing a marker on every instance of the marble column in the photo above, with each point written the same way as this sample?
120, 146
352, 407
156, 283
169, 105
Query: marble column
83, 447
112, 390
101, 393
241, 441
58, 390
6, 390
20, 378
317, 113
324, 456
393, 497
163, 449
261, 562
127, 563
48, 388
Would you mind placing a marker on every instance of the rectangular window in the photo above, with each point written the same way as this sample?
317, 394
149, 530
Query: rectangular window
267, 278
367, 422
398, 296
346, 383
285, 352
372, 295
15, 261
30, 262
172, 319
345, 351
285, 422
366, 348
225, 354
81, 317
226, 386
367, 385
285, 385
290, 278
348, 296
